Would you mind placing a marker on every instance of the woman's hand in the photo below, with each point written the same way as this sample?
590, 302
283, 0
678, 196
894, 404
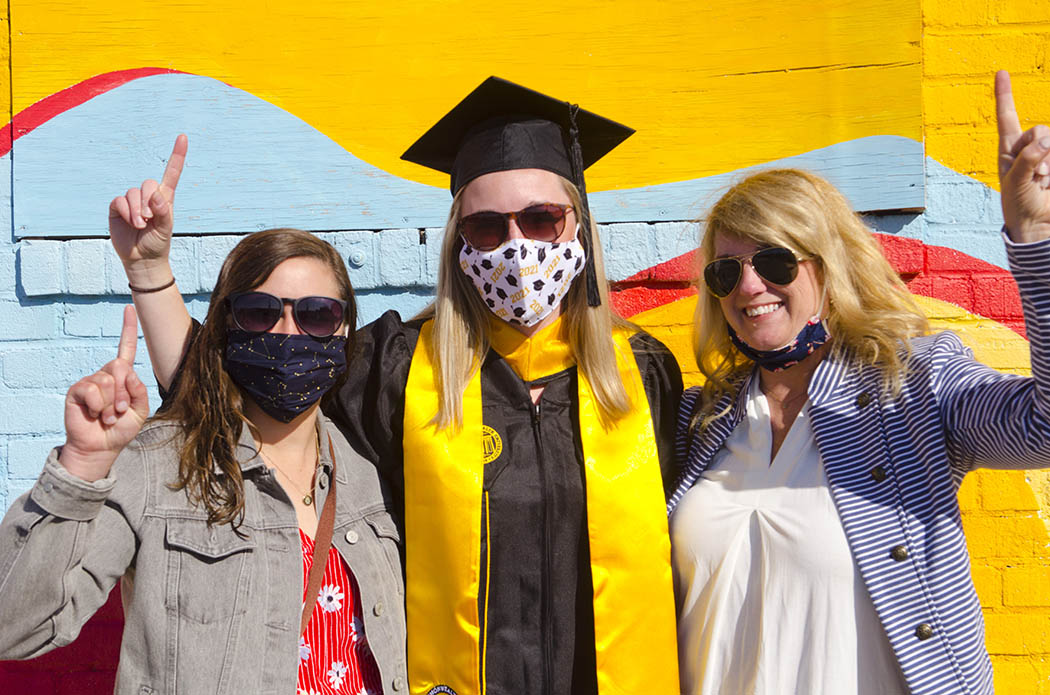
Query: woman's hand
141, 222
1024, 169
105, 411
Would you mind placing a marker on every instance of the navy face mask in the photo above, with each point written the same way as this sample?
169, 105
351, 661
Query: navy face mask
812, 336
284, 374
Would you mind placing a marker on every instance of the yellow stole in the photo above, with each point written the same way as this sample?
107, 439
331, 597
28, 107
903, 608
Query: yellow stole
634, 615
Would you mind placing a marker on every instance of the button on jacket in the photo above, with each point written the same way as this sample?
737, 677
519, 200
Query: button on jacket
207, 610
894, 466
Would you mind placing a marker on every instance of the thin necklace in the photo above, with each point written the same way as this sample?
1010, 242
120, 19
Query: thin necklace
308, 499
784, 403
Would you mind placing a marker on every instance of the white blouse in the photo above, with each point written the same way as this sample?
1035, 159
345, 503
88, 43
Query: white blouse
770, 600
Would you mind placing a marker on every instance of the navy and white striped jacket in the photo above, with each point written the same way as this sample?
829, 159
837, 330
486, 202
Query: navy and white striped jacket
894, 466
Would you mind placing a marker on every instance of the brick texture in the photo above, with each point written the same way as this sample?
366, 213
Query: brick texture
964, 42
60, 304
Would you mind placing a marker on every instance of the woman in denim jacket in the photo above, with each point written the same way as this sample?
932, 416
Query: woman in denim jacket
209, 516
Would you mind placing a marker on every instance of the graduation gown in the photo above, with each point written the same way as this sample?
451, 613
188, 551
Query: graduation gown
538, 623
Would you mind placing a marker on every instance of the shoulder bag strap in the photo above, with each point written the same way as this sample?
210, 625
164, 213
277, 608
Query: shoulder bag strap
322, 544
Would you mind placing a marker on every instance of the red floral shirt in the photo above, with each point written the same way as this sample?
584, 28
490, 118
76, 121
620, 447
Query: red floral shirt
334, 657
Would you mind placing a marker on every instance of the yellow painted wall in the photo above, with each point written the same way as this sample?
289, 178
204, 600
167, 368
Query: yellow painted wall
964, 43
1006, 514
803, 74
5, 75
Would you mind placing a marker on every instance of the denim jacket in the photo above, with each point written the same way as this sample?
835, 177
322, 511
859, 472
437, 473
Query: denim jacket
206, 610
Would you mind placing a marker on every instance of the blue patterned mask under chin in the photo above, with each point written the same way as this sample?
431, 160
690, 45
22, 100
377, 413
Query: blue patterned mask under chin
813, 335
285, 374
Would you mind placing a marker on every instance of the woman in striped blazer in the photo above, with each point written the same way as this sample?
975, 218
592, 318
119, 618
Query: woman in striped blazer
816, 535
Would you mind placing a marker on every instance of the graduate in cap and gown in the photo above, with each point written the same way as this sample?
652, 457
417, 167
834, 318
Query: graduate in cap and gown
529, 429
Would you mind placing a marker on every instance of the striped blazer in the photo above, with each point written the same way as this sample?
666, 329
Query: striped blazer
894, 466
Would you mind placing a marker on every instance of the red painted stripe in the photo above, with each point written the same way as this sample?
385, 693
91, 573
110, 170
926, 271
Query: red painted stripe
939, 272
28, 119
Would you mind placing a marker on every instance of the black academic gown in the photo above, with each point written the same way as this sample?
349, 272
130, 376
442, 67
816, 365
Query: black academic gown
539, 626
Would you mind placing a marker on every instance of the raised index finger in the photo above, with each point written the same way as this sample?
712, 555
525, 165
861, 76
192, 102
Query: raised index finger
175, 163
129, 336
1005, 114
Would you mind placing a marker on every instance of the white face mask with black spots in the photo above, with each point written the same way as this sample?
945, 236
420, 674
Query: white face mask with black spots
523, 280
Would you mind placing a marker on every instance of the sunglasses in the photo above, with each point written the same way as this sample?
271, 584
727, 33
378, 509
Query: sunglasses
258, 312
488, 230
775, 264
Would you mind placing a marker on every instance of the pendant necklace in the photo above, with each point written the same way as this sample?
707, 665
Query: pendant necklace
307, 497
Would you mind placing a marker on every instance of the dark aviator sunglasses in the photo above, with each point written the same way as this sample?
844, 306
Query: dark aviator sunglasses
488, 230
258, 312
774, 264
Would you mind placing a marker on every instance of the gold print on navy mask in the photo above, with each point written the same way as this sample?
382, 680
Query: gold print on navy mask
284, 374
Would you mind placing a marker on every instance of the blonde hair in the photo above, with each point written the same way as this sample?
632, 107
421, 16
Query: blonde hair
871, 314
461, 326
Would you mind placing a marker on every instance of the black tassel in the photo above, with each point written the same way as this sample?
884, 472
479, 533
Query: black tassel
576, 157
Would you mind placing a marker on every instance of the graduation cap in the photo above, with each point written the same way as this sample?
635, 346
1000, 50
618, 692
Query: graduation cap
502, 126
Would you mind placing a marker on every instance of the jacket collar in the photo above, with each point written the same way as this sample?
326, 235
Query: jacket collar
834, 385
249, 459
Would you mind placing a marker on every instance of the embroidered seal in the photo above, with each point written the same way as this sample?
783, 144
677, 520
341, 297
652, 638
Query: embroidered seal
491, 445
439, 689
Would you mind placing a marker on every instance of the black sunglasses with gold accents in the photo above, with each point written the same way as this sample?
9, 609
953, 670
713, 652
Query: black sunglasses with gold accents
774, 264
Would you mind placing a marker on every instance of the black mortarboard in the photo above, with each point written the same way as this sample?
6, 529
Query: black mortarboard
502, 126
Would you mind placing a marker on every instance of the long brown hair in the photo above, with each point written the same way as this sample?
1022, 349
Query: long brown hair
206, 404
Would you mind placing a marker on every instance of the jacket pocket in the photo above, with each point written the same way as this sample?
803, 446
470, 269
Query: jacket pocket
208, 570
389, 537
383, 525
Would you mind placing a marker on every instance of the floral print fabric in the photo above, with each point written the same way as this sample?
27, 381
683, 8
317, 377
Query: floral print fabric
334, 657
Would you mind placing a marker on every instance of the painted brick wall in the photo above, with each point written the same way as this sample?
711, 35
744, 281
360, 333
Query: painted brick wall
965, 41
79, 289
60, 306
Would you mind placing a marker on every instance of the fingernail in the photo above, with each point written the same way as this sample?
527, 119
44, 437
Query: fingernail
1044, 143
1043, 169
122, 405
109, 419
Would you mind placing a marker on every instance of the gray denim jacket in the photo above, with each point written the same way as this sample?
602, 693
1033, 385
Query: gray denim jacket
206, 610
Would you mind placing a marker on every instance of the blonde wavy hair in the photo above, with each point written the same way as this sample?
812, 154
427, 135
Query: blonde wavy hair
461, 322
871, 314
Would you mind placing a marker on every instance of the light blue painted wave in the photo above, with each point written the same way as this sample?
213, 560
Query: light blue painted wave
881, 172
253, 165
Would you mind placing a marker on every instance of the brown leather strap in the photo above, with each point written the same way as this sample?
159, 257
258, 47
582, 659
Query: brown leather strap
322, 544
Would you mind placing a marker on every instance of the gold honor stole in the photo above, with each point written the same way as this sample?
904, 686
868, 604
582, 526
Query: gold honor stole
634, 614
